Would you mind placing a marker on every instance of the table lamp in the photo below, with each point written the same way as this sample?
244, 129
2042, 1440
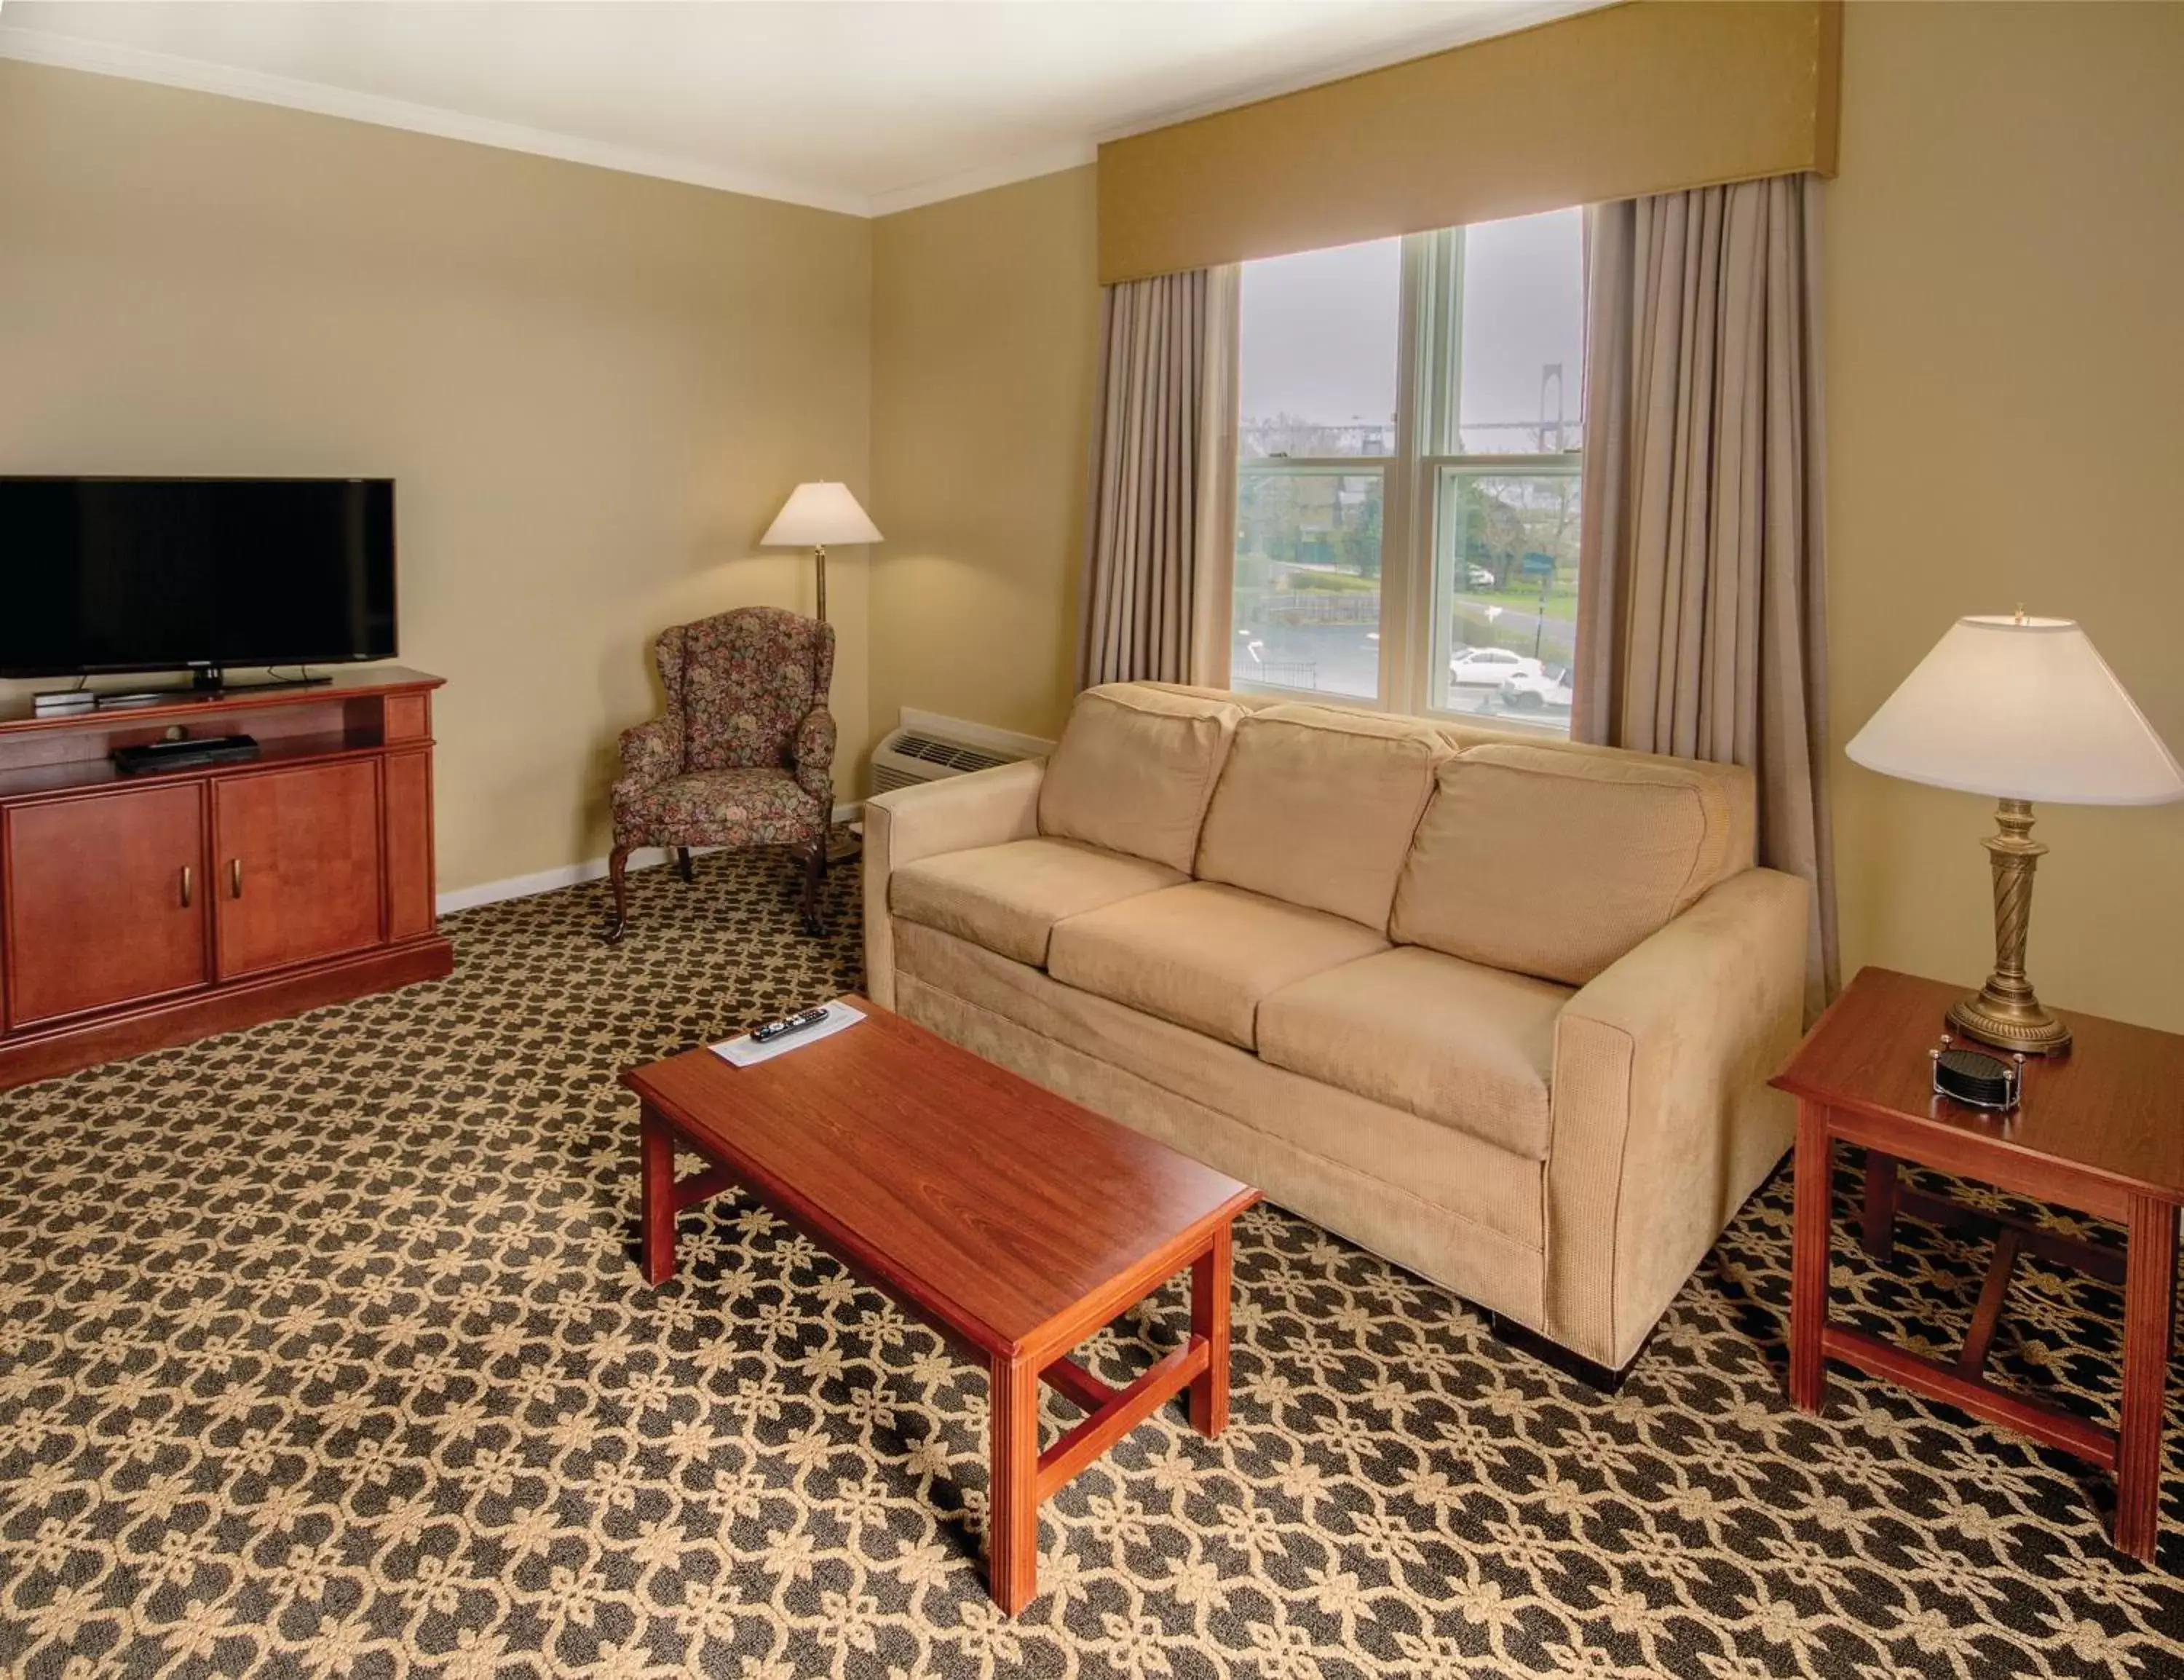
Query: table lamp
814, 516
2020, 708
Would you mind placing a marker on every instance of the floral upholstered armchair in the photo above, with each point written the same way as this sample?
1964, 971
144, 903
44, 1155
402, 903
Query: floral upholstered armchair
744, 756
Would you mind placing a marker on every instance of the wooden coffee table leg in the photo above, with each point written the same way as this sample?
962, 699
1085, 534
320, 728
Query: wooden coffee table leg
1013, 1513
1210, 1290
2149, 1302
1808, 1265
656, 1217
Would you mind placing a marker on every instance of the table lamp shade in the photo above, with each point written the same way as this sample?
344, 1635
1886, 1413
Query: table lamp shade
2019, 708
817, 515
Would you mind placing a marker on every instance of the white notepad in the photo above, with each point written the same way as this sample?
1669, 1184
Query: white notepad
742, 1053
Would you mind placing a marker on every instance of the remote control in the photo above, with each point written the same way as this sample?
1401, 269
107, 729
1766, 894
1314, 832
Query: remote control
781, 1029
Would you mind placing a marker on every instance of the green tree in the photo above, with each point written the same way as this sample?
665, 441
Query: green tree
1359, 543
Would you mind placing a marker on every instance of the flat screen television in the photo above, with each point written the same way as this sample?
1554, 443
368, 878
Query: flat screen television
168, 574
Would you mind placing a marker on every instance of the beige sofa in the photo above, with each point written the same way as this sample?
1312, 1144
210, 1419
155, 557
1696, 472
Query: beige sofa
1499, 1010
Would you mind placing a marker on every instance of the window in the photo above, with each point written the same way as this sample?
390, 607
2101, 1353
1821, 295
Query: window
1318, 341
1409, 450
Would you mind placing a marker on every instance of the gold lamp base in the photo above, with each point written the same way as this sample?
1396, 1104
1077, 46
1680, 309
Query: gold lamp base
2009, 1025
2006, 1012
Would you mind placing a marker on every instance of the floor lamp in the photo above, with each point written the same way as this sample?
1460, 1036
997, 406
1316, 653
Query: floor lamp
814, 516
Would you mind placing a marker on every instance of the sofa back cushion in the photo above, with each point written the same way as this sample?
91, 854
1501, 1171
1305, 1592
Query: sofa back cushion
1317, 806
1555, 861
1135, 768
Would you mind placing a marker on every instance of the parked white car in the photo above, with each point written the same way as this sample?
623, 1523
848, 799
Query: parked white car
1481, 578
1547, 689
1488, 667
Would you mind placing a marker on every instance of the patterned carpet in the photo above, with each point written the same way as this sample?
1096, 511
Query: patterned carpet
322, 1352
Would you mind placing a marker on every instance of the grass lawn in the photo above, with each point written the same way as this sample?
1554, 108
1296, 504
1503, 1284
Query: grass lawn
1304, 578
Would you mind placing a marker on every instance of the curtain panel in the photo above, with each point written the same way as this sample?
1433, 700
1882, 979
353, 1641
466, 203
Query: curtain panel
1163, 504
1702, 617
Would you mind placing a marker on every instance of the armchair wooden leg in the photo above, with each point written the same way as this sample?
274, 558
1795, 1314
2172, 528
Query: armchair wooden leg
618, 918
815, 871
682, 864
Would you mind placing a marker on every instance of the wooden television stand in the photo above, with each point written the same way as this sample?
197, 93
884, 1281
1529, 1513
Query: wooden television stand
137, 912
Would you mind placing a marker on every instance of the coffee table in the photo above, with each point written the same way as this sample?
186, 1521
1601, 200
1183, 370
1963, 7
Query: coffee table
2100, 1129
1012, 1220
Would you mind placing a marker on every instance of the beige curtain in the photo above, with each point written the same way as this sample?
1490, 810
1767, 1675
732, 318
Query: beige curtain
1702, 615
1163, 493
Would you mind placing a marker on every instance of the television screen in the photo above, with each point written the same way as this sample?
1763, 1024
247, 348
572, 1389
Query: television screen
156, 574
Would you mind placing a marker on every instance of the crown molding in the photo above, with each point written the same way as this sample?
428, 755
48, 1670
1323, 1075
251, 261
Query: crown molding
1024, 166
1524, 14
198, 75
1512, 19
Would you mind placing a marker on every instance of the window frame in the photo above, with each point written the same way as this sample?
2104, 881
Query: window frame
1429, 383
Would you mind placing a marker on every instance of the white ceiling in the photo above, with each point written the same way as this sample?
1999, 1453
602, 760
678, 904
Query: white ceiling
866, 106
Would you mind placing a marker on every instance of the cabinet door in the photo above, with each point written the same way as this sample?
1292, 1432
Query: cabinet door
105, 900
296, 865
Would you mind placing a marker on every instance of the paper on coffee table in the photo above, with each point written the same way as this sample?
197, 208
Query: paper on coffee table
740, 1052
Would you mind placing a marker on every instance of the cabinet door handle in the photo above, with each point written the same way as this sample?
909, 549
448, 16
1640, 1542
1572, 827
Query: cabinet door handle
234, 877
186, 886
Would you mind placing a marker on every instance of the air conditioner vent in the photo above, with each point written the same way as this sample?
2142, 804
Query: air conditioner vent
948, 754
908, 756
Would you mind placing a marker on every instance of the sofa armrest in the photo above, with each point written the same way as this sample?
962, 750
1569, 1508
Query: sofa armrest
957, 814
1663, 1123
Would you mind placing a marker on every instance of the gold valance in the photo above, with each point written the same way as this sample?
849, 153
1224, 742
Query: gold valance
1646, 97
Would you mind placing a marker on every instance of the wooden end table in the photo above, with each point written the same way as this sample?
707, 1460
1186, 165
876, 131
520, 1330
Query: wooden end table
2099, 1129
1011, 1219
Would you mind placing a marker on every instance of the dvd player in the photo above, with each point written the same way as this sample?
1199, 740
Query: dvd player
190, 752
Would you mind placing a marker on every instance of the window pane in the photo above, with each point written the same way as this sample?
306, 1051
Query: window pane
1505, 594
1317, 352
1307, 603
1523, 371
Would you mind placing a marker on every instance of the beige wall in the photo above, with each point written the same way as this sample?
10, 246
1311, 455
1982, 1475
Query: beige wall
2005, 360
593, 389
985, 322
2006, 346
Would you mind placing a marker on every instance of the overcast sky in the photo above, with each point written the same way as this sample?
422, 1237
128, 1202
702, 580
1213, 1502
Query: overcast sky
1319, 329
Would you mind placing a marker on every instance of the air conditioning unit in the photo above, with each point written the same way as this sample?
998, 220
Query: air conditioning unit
912, 755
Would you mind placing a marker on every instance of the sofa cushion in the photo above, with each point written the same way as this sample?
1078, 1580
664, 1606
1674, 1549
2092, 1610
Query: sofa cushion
1472, 1048
1135, 768
1008, 898
1556, 863
1201, 955
1317, 806
1398, 1184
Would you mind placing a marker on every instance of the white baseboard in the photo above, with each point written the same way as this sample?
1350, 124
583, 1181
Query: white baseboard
573, 875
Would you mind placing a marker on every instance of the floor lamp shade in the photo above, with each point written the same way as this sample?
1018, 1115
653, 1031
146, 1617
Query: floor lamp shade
814, 516
2019, 708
